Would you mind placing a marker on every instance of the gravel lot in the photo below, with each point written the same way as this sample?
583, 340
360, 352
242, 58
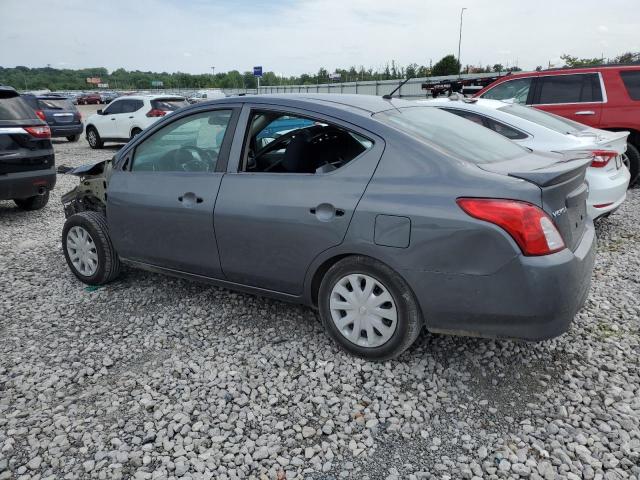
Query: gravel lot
153, 377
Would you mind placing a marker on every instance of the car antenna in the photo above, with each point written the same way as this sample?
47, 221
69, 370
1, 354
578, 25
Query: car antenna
388, 96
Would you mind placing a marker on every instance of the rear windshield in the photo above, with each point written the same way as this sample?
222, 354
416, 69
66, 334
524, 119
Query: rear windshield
169, 104
452, 134
55, 104
15, 108
632, 83
548, 120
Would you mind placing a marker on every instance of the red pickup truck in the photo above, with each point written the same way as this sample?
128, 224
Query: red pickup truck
606, 97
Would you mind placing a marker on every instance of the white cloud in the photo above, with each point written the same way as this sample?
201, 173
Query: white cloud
603, 28
186, 54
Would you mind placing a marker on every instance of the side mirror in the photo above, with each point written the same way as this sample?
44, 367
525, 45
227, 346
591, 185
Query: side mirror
99, 112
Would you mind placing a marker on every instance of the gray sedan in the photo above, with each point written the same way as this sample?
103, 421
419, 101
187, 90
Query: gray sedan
386, 215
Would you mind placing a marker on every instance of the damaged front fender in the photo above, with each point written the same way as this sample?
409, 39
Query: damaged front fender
91, 193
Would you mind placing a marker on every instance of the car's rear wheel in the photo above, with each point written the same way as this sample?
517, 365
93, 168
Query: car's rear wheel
93, 137
33, 203
632, 160
73, 138
368, 309
88, 249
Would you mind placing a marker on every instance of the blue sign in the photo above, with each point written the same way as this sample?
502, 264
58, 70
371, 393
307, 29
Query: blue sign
257, 71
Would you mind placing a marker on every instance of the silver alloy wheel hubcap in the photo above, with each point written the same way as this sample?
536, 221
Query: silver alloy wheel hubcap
82, 251
92, 137
363, 310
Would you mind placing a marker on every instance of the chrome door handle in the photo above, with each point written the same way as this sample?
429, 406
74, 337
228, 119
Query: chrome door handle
586, 112
130, 117
189, 199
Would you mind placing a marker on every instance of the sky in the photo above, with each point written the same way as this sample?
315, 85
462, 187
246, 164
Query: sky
291, 37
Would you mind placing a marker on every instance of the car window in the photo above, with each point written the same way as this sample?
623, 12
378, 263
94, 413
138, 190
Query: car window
284, 143
190, 144
130, 106
516, 90
546, 119
577, 88
114, 107
498, 127
15, 108
168, 104
443, 131
55, 104
632, 83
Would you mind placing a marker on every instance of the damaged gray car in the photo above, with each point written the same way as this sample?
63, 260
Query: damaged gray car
386, 215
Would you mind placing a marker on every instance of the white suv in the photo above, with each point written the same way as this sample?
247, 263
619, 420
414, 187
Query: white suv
126, 117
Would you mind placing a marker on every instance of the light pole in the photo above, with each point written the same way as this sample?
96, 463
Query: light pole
460, 42
213, 75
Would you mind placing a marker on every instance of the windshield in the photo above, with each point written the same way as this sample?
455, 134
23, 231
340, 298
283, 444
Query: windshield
452, 134
15, 108
553, 122
169, 104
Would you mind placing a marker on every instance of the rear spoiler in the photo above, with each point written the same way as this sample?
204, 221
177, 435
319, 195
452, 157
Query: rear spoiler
541, 174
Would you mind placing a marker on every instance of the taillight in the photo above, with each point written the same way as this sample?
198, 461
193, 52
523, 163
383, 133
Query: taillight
78, 116
601, 158
38, 132
531, 228
155, 112
40, 115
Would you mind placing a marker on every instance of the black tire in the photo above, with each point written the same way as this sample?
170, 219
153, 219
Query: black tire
33, 203
73, 138
108, 264
409, 319
93, 138
134, 132
633, 154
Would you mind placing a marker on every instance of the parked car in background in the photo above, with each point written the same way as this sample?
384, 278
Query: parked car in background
108, 97
125, 117
60, 113
605, 97
27, 163
204, 95
88, 99
608, 176
385, 214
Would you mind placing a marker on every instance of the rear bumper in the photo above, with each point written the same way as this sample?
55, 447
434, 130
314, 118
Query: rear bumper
530, 298
608, 192
66, 130
26, 184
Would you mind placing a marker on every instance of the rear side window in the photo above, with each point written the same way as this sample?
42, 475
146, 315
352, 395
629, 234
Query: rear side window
632, 83
451, 134
130, 106
498, 127
569, 89
168, 104
546, 119
15, 108
516, 90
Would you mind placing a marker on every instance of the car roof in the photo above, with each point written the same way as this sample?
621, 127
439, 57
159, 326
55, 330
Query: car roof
365, 104
567, 71
148, 97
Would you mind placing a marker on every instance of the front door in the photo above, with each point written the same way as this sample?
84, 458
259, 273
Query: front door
291, 197
160, 201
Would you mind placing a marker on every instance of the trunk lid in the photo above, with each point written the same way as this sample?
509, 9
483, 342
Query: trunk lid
562, 185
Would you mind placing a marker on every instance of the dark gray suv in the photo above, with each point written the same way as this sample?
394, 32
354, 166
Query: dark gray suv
27, 169
384, 214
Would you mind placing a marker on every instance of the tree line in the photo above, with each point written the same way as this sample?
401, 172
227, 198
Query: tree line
25, 78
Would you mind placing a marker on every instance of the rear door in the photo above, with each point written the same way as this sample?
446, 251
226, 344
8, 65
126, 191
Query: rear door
162, 192
276, 211
125, 119
577, 96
